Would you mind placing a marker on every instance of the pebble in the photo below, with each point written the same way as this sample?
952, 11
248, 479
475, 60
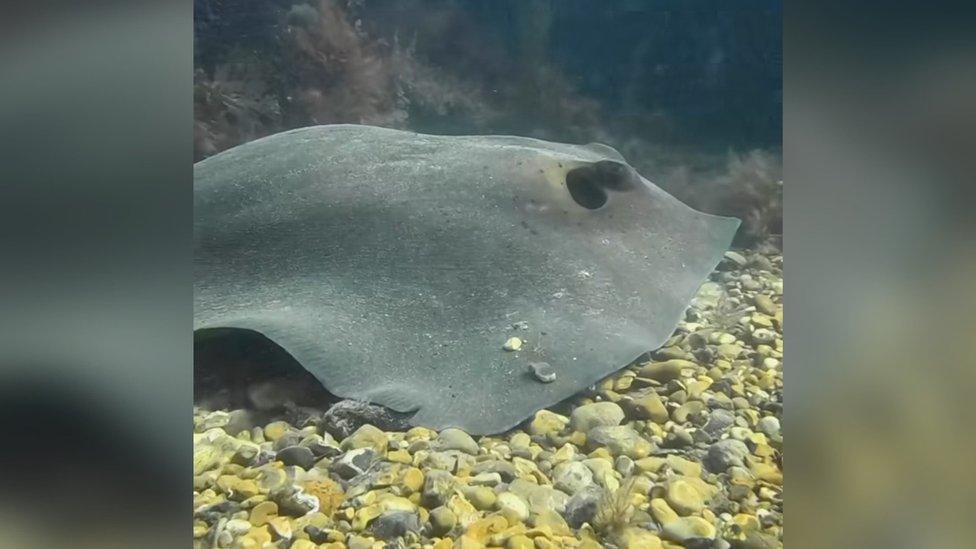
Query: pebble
620, 440
685, 528
512, 507
724, 454
666, 371
571, 477
597, 414
543, 371
395, 524
768, 425
707, 407
442, 520
683, 498
512, 344
455, 439
298, 456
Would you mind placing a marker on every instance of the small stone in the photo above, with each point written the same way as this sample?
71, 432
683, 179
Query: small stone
724, 454
597, 414
280, 527
683, 498
482, 497
686, 528
571, 477
769, 425
275, 430
442, 520
583, 506
736, 257
683, 466
638, 538
539, 498
666, 371
690, 408
455, 439
624, 465
512, 344
662, 512
519, 541
486, 479
302, 544
512, 507
298, 456
543, 371
412, 480
237, 527
367, 436
395, 524
438, 487
262, 511
354, 462
648, 406
718, 421
620, 440
545, 422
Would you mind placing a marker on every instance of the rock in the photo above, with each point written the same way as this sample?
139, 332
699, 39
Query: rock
620, 440
280, 527
482, 497
662, 512
455, 439
683, 498
303, 544
367, 436
545, 422
597, 414
647, 406
438, 487
504, 469
262, 511
539, 498
624, 465
346, 416
752, 539
394, 524
442, 520
764, 304
683, 466
678, 438
298, 456
688, 409
763, 336
486, 479
687, 528
520, 541
512, 507
582, 507
769, 425
354, 462
724, 454
512, 344
543, 371
275, 430
718, 421
294, 502
667, 370
571, 477
735, 257
638, 538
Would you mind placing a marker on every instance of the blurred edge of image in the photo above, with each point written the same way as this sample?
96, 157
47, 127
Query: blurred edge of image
95, 359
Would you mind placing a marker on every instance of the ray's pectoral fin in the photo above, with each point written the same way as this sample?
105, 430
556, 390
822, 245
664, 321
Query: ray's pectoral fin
589, 184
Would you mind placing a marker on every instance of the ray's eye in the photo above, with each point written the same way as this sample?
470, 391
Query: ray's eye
588, 185
585, 189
